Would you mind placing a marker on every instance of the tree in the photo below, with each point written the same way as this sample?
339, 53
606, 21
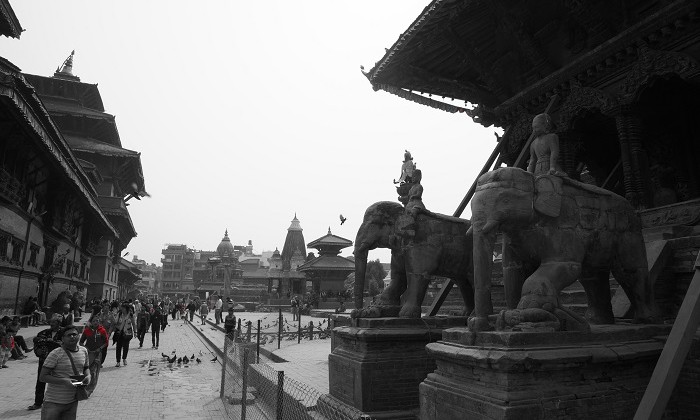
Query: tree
374, 278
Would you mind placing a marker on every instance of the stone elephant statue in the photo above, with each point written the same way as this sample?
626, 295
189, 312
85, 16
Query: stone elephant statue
442, 246
556, 231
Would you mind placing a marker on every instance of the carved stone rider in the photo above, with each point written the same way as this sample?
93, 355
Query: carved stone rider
407, 168
544, 164
544, 150
414, 205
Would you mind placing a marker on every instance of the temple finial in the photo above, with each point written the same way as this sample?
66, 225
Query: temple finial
65, 71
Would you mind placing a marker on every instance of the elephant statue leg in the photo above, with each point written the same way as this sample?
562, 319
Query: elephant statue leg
422, 260
466, 288
513, 274
597, 287
631, 272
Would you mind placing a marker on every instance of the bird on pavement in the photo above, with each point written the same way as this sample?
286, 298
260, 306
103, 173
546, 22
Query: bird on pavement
214, 359
172, 359
165, 356
342, 219
199, 360
173, 352
185, 360
179, 360
200, 353
192, 358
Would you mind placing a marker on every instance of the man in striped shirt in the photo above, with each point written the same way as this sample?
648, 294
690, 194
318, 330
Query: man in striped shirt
59, 400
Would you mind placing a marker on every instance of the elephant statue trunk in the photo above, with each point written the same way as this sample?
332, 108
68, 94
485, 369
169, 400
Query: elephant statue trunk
360, 270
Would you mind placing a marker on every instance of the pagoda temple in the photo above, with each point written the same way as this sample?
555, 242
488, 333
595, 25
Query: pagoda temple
77, 110
328, 271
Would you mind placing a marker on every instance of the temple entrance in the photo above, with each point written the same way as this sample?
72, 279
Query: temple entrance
669, 108
593, 151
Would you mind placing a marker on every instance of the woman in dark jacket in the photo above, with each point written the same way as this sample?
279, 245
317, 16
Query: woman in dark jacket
156, 318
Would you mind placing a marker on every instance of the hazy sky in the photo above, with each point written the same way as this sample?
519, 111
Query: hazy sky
247, 112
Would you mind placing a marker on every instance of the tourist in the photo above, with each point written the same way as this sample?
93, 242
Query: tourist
164, 315
341, 308
46, 341
203, 312
62, 363
32, 308
20, 344
107, 319
7, 342
218, 307
94, 338
230, 324
123, 332
294, 303
155, 320
143, 320
66, 316
137, 306
191, 307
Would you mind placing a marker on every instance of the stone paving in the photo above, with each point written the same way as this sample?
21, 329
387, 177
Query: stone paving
306, 362
133, 391
159, 391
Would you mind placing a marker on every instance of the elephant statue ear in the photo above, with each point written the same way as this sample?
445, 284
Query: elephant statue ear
548, 195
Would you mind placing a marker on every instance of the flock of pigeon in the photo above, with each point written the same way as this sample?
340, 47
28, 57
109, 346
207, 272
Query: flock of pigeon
184, 360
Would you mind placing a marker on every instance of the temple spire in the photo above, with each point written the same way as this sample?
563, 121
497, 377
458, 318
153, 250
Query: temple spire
65, 71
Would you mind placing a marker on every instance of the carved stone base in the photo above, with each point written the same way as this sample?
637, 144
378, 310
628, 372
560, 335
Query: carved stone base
516, 375
378, 363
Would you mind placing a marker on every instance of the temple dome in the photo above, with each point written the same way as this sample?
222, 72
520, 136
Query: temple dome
225, 247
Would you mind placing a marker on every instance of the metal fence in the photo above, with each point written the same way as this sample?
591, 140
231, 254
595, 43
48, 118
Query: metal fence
256, 390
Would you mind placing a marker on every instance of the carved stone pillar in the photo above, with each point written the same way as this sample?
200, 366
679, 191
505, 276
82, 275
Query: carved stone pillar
635, 165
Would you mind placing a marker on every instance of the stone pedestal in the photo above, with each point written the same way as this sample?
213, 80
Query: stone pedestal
518, 375
378, 363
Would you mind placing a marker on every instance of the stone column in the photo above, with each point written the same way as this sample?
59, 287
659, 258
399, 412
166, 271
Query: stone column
635, 165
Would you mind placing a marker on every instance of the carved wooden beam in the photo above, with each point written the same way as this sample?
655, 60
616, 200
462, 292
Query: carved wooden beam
527, 45
466, 51
465, 90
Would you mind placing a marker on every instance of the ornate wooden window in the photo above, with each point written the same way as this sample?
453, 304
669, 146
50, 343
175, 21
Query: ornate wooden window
83, 268
33, 254
17, 247
50, 253
4, 243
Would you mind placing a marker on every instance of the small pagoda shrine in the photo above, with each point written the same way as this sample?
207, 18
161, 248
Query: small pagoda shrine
329, 270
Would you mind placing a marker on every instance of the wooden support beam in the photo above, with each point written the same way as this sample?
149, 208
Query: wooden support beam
665, 375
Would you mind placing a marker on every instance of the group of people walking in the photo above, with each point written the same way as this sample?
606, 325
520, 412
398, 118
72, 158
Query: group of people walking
71, 356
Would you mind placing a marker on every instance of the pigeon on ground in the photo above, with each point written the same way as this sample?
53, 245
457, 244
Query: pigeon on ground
199, 360
173, 352
200, 353
185, 360
172, 359
214, 359
165, 356
179, 360
192, 358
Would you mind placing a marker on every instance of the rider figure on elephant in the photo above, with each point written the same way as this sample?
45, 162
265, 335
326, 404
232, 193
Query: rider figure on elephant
413, 206
544, 150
